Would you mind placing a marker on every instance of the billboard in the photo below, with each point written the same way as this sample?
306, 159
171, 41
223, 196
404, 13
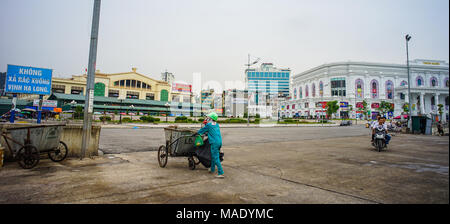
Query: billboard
182, 88
344, 104
28, 80
46, 103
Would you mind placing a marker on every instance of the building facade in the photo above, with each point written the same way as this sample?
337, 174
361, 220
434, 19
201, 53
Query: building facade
351, 83
268, 79
235, 103
182, 93
128, 85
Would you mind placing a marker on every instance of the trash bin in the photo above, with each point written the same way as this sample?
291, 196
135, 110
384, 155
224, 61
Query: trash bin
26, 143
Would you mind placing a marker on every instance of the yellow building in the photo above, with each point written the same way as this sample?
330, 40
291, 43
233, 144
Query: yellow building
127, 85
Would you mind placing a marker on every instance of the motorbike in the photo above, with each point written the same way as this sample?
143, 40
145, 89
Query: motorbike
380, 139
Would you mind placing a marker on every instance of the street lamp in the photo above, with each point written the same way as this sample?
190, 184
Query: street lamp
323, 93
407, 38
167, 109
131, 114
248, 91
120, 112
72, 104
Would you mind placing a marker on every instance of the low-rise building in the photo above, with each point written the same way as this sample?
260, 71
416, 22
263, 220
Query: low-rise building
352, 83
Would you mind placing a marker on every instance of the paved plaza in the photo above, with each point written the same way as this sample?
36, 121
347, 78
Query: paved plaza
262, 165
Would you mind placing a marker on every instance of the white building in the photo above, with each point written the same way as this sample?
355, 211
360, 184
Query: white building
350, 83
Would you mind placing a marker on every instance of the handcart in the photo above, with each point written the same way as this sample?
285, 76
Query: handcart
38, 139
179, 143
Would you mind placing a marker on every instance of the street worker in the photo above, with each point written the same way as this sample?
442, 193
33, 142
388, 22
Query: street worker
215, 139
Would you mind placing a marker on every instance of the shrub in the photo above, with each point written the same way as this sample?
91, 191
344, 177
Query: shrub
181, 118
149, 119
234, 121
105, 118
126, 119
257, 121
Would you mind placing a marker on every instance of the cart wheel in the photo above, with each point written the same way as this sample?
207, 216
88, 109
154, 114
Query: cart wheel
28, 156
196, 160
60, 152
162, 156
191, 163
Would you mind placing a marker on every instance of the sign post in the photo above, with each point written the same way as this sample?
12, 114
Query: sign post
27, 80
39, 109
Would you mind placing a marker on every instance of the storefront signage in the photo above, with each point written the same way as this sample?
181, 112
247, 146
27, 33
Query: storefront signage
45, 103
344, 104
375, 105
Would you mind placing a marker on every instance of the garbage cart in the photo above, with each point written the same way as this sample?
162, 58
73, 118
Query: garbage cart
179, 143
27, 143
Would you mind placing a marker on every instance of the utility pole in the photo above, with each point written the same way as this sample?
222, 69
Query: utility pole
248, 94
89, 95
408, 37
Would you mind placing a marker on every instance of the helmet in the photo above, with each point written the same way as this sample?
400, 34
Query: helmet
213, 116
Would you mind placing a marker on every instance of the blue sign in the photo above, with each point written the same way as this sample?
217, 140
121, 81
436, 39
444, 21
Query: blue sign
28, 80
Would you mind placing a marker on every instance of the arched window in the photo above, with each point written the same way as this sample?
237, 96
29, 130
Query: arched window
359, 88
313, 90
306, 91
389, 90
321, 88
374, 88
295, 93
419, 81
300, 92
433, 82
403, 83
446, 82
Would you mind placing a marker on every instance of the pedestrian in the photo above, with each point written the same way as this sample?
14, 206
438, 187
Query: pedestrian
215, 139
440, 129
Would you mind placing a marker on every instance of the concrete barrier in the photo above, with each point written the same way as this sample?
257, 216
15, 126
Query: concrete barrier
71, 135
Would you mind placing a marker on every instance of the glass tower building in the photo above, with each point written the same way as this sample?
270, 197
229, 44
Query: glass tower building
268, 79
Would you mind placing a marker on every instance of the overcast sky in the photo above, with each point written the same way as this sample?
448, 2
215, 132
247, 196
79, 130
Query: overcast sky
214, 37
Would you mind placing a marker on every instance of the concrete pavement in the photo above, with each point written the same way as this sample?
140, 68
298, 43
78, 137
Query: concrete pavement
303, 167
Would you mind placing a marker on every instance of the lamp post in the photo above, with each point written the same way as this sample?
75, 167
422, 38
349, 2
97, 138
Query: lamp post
407, 38
167, 109
248, 91
131, 114
323, 93
120, 112
72, 104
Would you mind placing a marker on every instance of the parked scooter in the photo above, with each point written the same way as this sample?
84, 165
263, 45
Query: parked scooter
380, 139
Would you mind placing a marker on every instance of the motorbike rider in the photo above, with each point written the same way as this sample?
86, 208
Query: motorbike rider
381, 123
373, 124
215, 139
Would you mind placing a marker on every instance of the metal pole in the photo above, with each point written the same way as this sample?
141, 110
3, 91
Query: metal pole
409, 85
89, 100
39, 115
13, 111
248, 93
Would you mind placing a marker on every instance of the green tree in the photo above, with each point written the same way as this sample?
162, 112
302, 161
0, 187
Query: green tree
440, 106
332, 107
385, 107
363, 108
405, 107
78, 112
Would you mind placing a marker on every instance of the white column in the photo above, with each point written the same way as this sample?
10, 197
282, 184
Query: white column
436, 102
422, 103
